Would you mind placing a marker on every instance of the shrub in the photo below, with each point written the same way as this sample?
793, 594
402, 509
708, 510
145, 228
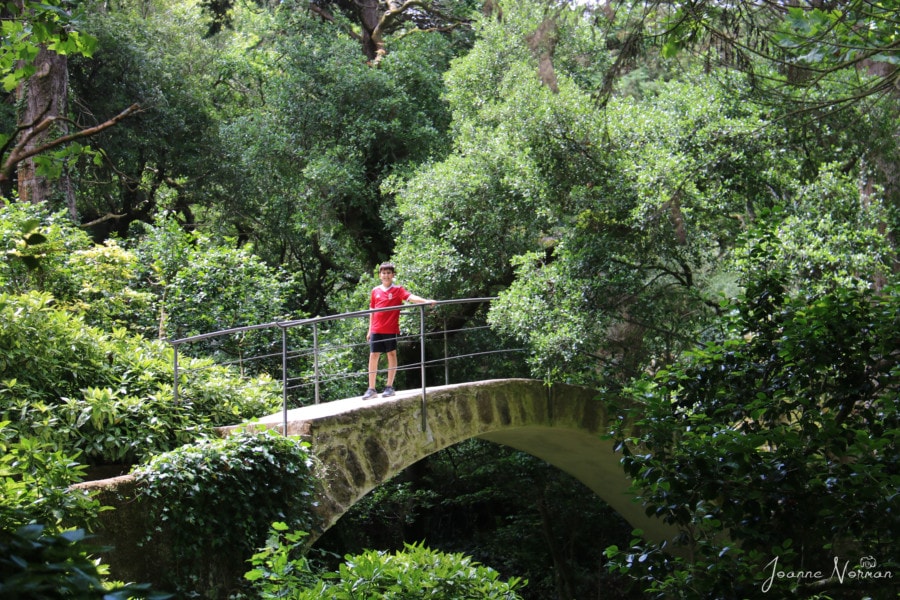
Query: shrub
414, 573
37, 248
110, 395
34, 484
217, 498
50, 351
776, 442
36, 564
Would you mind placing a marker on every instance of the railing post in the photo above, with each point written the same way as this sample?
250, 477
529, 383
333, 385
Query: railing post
422, 363
284, 381
175, 371
446, 354
316, 360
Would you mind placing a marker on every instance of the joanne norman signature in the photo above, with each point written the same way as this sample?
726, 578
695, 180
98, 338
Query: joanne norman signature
866, 570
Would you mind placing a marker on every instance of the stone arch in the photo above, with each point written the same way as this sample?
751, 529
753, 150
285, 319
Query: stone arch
363, 445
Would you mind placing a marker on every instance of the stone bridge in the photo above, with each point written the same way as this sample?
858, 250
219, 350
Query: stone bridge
362, 444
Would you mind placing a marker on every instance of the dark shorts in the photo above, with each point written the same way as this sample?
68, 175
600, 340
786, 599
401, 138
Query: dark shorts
383, 342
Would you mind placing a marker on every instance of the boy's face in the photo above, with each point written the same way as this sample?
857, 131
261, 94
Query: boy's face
386, 276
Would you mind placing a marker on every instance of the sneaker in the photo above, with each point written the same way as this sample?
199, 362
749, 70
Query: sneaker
370, 393
388, 391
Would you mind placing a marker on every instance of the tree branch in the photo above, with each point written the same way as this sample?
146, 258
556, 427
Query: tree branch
386, 20
20, 153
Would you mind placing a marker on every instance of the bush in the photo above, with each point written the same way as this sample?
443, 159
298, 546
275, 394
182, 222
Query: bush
416, 572
36, 564
110, 395
38, 247
217, 499
34, 484
202, 287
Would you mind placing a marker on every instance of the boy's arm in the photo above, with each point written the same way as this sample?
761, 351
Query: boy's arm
420, 300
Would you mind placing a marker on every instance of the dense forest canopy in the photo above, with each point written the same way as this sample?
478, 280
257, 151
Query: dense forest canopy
691, 207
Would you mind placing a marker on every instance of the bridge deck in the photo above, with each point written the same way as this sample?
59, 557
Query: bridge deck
347, 405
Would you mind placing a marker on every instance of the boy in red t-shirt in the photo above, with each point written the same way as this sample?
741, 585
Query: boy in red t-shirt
384, 327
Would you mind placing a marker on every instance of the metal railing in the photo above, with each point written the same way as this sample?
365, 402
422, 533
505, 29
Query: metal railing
282, 348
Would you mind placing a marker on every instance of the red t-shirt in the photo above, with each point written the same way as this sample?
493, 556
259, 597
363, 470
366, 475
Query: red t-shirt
387, 321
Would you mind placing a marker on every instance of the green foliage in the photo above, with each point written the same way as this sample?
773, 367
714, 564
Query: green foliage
218, 288
34, 480
109, 426
611, 230
201, 286
518, 146
47, 353
797, 48
642, 249
37, 248
416, 572
826, 238
106, 289
311, 159
840, 37
219, 497
158, 159
38, 564
628, 269
30, 32
24, 249
32, 25
110, 395
778, 439
503, 508
281, 566
48, 252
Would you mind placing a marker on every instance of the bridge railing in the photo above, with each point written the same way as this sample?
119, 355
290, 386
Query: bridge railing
286, 344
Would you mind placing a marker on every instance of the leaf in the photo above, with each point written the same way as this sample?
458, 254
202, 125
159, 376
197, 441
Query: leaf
35, 238
670, 49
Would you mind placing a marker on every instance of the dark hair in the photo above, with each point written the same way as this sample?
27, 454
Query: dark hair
388, 266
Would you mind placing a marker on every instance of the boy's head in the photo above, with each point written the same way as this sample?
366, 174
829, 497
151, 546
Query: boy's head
386, 266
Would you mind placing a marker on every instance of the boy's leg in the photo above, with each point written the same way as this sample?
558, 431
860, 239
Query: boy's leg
392, 367
373, 367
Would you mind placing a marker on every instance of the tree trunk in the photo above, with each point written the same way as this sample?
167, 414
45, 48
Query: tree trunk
369, 17
43, 96
564, 587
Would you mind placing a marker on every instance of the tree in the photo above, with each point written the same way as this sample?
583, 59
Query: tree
606, 232
203, 287
308, 162
809, 62
600, 230
375, 19
774, 447
518, 149
780, 45
37, 38
159, 160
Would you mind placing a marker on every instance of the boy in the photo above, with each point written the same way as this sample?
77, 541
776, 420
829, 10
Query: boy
384, 327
